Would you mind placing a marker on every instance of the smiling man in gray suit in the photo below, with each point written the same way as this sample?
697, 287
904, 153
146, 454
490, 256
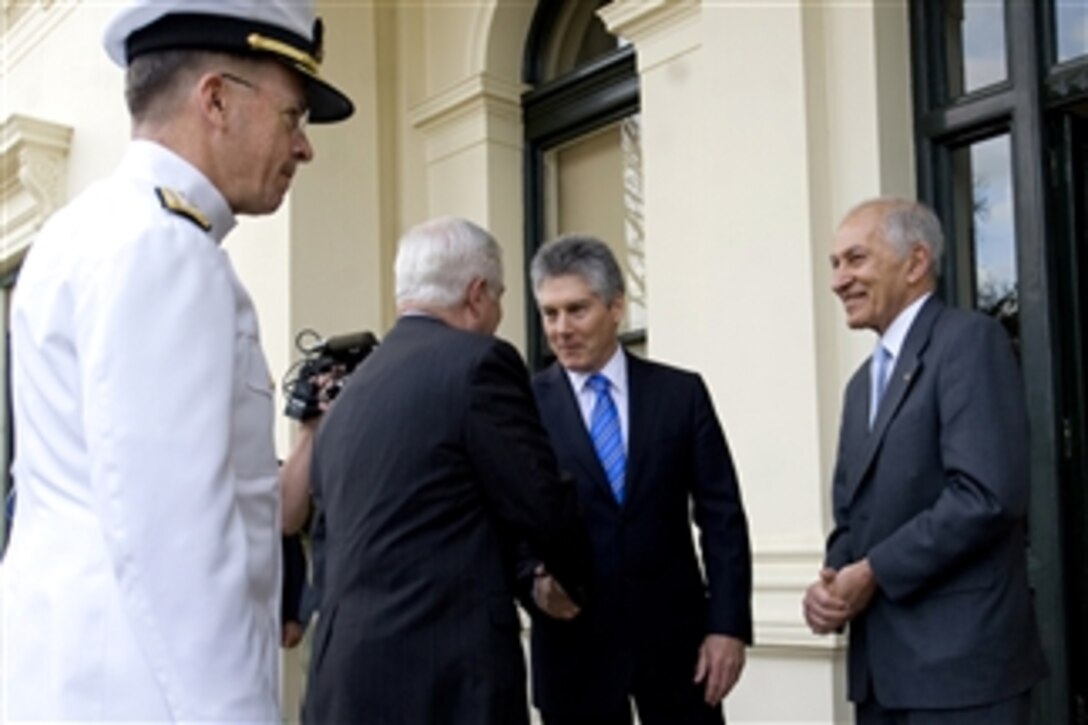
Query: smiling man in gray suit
927, 558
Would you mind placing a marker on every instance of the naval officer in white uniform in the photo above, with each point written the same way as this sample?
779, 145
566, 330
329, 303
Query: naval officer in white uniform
142, 578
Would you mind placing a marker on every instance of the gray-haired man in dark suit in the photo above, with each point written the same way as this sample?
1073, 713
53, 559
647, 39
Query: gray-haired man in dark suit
430, 467
926, 562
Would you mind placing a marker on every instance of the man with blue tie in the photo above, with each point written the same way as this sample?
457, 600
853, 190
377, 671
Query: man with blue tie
927, 560
646, 449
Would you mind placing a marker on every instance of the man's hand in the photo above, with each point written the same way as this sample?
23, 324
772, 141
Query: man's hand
292, 635
550, 597
721, 660
855, 585
328, 386
825, 610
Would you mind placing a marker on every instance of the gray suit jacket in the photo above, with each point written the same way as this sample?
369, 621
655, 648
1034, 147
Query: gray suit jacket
936, 496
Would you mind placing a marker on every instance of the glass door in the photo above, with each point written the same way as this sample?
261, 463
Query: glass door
1070, 129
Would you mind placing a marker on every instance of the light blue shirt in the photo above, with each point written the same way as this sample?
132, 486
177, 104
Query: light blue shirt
896, 334
616, 372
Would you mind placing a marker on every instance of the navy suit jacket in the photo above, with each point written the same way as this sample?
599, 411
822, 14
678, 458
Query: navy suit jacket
936, 496
650, 605
429, 467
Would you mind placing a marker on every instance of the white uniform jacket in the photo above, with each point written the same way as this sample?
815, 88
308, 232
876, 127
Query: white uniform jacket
142, 577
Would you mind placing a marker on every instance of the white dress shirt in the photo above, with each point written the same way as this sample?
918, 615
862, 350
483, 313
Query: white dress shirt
616, 372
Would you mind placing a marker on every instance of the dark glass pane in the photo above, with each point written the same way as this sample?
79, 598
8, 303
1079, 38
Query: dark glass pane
985, 230
974, 44
1071, 23
7, 500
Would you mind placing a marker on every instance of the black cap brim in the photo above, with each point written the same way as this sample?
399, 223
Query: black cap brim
327, 103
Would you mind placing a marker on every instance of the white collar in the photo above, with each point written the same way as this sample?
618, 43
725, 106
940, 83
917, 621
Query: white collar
896, 334
615, 370
158, 165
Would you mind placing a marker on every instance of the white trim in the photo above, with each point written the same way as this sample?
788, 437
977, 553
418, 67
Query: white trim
25, 29
33, 180
479, 110
464, 98
781, 576
661, 30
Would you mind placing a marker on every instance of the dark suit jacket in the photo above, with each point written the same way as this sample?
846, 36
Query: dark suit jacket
936, 496
651, 606
429, 464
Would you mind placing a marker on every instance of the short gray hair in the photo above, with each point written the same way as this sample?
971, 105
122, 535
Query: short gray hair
906, 223
438, 259
582, 255
153, 81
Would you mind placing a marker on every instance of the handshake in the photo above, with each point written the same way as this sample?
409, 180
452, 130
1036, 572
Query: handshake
313, 382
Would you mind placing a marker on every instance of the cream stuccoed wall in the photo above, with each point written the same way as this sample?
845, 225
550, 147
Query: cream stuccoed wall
464, 110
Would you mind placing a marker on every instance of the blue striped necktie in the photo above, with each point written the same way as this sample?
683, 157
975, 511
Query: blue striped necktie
604, 429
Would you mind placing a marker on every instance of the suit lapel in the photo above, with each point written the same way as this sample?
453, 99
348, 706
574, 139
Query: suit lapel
907, 368
560, 405
638, 403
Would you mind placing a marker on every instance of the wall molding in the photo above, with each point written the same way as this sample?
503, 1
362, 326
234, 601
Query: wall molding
661, 30
466, 97
480, 109
780, 577
26, 23
33, 181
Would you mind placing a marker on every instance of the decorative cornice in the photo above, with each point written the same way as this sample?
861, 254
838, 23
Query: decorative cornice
33, 180
25, 23
467, 97
481, 109
659, 29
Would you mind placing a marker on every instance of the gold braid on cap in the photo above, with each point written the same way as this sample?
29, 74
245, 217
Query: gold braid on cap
265, 44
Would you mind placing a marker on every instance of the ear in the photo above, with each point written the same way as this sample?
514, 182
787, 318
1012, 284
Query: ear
477, 288
211, 93
618, 309
919, 264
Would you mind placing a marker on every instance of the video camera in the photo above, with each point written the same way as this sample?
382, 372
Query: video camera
339, 355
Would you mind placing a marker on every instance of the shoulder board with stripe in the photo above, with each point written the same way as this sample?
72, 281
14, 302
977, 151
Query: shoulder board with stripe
175, 203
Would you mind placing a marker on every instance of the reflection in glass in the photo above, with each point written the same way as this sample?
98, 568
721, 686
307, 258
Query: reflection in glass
594, 186
984, 198
975, 44
1071, 23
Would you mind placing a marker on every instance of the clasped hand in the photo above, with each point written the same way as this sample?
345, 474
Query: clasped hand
550, 597
838, 596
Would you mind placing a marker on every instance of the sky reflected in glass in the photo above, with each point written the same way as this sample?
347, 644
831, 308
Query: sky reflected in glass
994, 225
983, 29
1071, 21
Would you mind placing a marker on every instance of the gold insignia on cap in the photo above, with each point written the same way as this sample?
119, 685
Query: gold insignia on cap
175, 203
265, 44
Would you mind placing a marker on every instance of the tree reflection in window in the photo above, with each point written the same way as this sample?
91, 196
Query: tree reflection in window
987, 260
